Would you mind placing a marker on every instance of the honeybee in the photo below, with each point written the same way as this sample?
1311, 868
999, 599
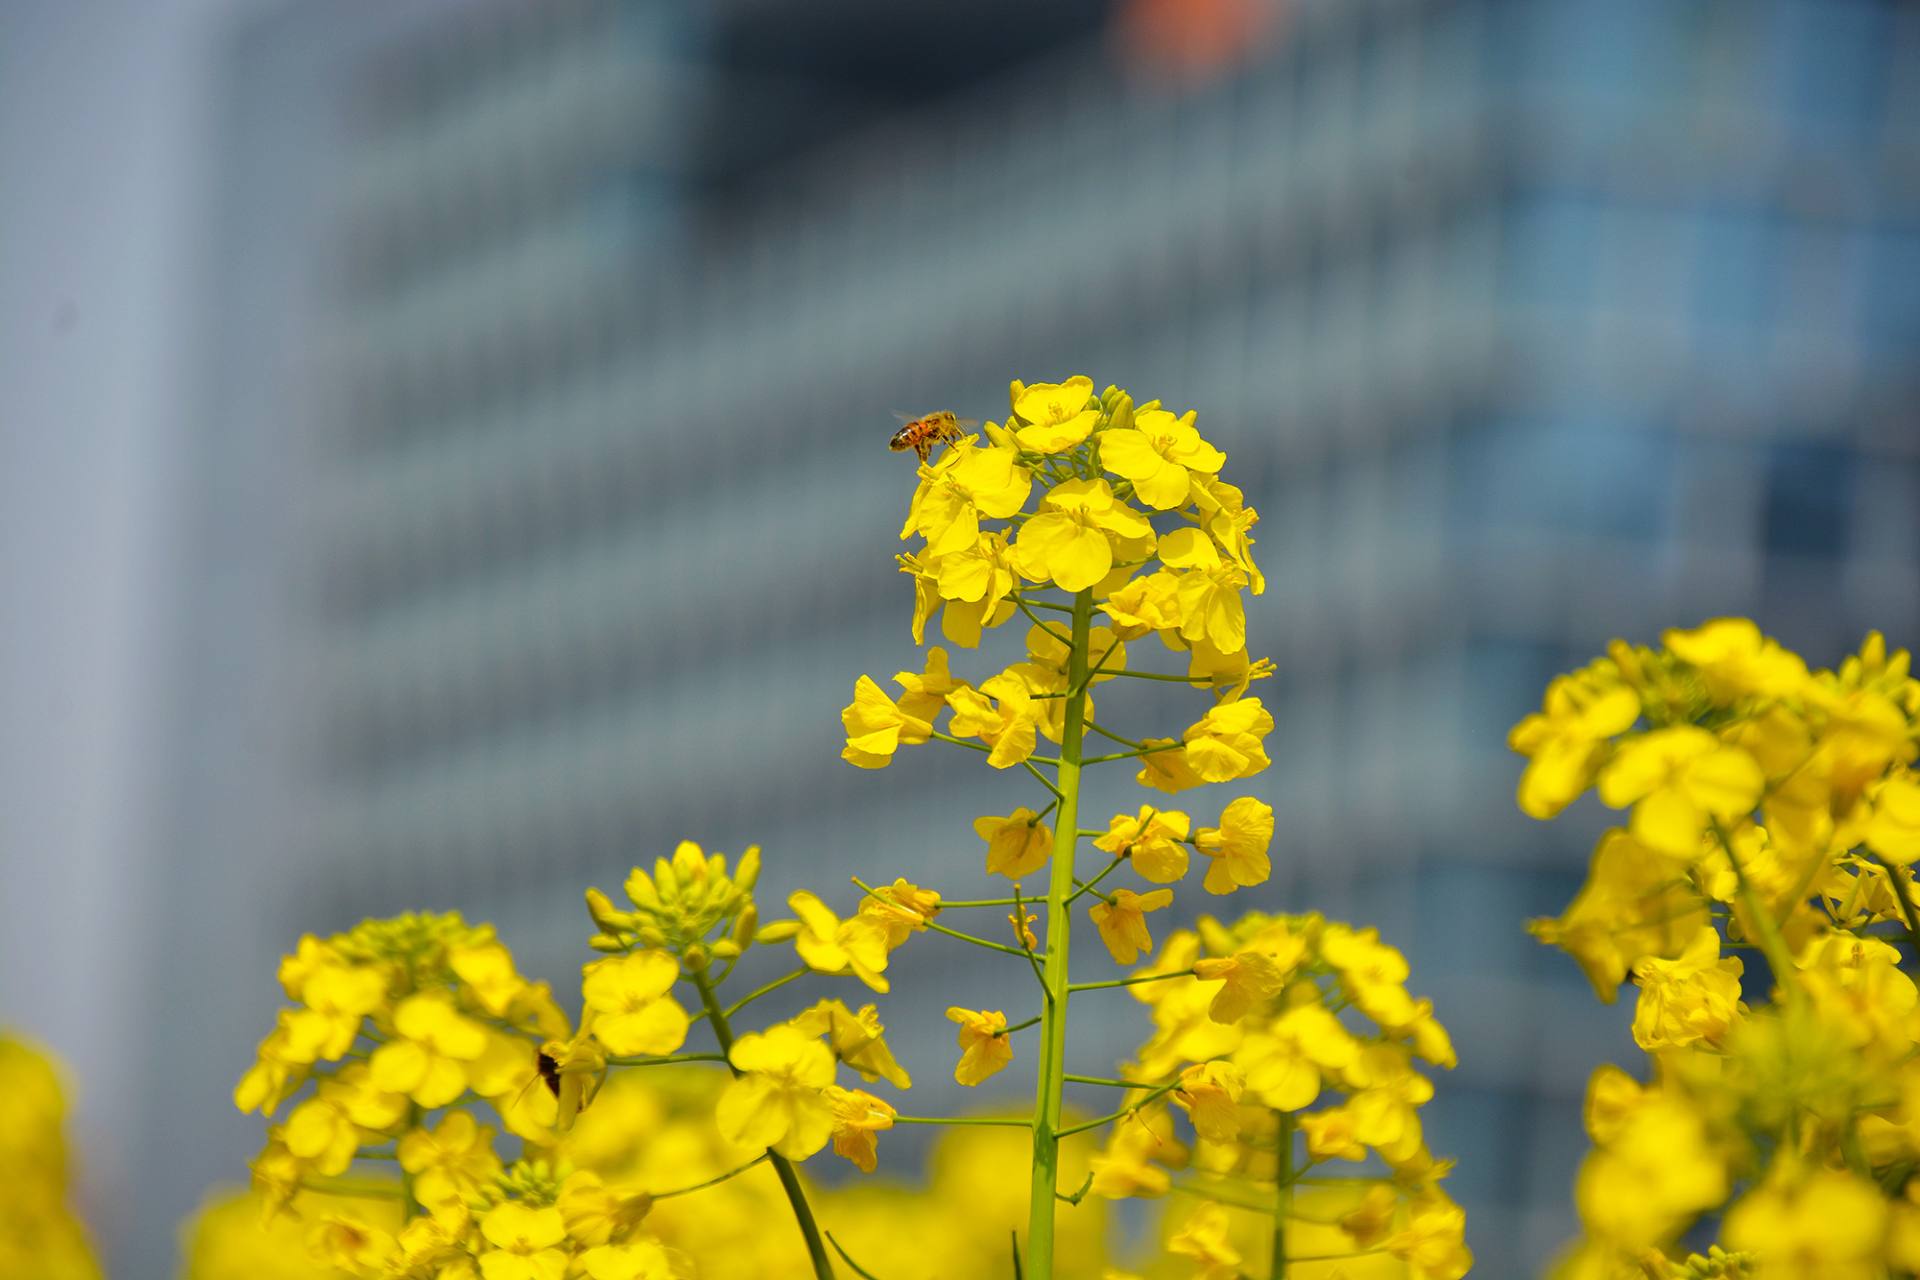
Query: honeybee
922, 433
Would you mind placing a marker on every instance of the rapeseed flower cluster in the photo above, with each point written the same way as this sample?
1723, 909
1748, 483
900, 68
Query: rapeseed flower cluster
1760, 900
415, 1050
39, 1234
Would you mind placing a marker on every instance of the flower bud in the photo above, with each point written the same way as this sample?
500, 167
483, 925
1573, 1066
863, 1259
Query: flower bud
641, 890
600, 908
695, 958
1121, 412
778, 931
606, 942
747, 872
726, 949
744, 926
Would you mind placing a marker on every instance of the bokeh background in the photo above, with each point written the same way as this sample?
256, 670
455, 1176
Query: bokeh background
441, 461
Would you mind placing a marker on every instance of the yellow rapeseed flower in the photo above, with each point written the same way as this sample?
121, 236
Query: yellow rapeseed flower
985, 1047
1071, 540
1228, 742
1056, 415
1159, 454
857, 1117
525, 1242
1017, 845
1204, 1237
1121, 919
777, 1101
828, 944
428, 1060
1689, 999
633, 1009
1238, 846
877, 726
1678, 780
1153, 841
1002, 714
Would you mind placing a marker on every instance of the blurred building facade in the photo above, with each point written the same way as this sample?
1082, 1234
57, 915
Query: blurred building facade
546, 518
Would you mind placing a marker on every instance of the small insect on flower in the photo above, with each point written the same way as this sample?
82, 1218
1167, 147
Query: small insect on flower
922, 433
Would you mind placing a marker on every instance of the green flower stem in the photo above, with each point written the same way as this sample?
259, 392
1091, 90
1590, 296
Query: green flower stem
1021, 1026
1154, 675
983, 902
1088, 886
1109, 1081
951, 933
1772, 945
769, 988
1108, 733
789, 1180
1050, 1079
1157, 1092
1043, 779
1099, 668
1041, 623
961, 742
667, 1060
1130, 982
847, 1258
714, 1181
1043, 604
1908, 916
1128, 755
1283, 1192
1005, 1122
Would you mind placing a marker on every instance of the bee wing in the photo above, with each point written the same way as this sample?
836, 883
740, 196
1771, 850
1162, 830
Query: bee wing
966, 423
905, 418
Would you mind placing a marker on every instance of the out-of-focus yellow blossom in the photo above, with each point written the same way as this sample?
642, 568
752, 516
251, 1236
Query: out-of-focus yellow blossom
1678, 780
1688, 999
1204, 1239
1002, 714
524, 1240
428, 1059
1017, 845
1285, 1065
1154, 842
1734, 661
1210, 1092
633, 1008
1229, 741
828, 944
337, 997
1565, 740
1238, 846
985, 1046
1433, 1244
1070, 540
487, 969
1819, 1224
1632, 905
596, 1213
857, 1117
1640, 1189
637, 1260
855, 1039
877, 726
454, 1160
1056, 415
40, 1236
1244, 977
1126, 1168
1121, 918
1159, 454
777, 1101
1893, 830
344, 1241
